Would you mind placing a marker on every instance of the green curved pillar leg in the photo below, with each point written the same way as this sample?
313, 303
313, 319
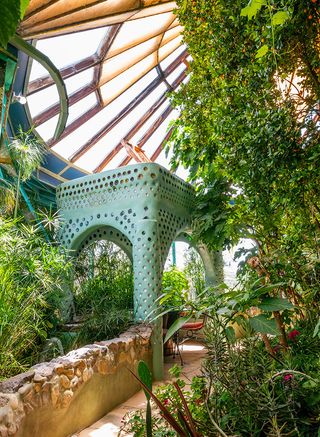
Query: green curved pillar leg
212, 261
141, 208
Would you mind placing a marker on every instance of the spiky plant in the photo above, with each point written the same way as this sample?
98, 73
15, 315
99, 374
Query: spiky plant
27, 154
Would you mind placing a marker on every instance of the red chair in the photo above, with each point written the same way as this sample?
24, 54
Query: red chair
192, 327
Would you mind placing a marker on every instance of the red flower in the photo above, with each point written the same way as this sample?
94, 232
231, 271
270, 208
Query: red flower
288, 377
166, 402
293, 334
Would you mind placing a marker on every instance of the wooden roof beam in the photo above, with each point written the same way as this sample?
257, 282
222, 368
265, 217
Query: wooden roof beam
151, 131
27, 28
54, 109
125, 111
46, 81
158, 150
130, 134
76, 124
165, 114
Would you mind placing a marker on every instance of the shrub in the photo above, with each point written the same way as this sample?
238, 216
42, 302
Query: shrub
31, 274
103, 291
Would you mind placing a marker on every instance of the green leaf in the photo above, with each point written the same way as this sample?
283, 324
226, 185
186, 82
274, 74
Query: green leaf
280, 17
309, 384
275, 304
266, 288
252, 8
23, 7
264, 325
145, 376
176, 326
10, 16
230, 333
316, 330
262, 51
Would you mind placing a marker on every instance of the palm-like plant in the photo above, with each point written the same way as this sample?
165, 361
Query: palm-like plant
32, 275
7, 197
27, 154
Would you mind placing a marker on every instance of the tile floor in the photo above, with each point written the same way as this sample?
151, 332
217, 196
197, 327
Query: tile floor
109, 425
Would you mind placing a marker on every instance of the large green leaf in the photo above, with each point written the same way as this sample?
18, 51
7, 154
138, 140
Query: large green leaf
262, 51
9, 19
176, 326
280, 17
264, 325
275, 304
252, 8
145, 376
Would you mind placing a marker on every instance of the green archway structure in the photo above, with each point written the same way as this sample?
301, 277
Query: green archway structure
142, 208
212, 260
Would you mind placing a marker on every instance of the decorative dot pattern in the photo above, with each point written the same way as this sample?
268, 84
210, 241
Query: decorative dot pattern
141, 208
110, 234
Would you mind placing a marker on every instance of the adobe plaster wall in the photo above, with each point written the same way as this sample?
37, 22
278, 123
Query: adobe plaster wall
69, 393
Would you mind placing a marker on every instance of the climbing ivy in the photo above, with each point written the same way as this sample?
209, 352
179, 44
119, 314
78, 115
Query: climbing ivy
250, 117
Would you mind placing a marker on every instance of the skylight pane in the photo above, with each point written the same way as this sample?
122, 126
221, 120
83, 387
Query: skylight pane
170, 47
117, 160
74, 141
147, 125
176, 73
79, 108
169, 59
79, 80
76, 46
123, 61
37, 70
171, 34
104, 146
46, 130
157, 137
42, 100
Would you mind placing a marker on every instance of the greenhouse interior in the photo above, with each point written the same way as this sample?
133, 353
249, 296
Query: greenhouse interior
160, 218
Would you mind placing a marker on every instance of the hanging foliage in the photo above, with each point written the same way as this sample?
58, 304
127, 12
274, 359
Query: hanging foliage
250, 117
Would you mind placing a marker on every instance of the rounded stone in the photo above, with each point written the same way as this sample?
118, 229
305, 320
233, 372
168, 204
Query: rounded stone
39, 378
25, 389
78, 372
55, 393
66, 398
64, 381
14, 402
74, 382
85, 375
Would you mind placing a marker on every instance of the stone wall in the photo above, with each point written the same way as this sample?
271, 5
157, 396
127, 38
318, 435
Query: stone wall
69, 393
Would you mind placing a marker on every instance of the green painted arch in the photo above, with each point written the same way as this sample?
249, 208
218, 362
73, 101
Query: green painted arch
99, 233
212, 260
149, 206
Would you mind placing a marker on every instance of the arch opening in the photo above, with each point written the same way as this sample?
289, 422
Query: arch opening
103, 289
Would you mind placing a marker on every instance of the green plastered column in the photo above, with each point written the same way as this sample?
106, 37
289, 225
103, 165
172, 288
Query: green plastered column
212, 260
141, 208
214, 265
147, 284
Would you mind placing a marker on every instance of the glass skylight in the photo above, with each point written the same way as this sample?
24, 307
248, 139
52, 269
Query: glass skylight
115, 87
